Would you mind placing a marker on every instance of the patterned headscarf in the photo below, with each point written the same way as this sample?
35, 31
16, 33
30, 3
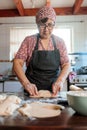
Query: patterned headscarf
46, 12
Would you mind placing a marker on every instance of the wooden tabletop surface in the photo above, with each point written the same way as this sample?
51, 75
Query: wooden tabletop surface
67, 120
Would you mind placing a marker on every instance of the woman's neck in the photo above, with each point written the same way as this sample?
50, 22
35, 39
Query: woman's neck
45, 43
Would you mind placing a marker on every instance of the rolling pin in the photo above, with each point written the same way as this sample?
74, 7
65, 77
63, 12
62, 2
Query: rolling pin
75, 88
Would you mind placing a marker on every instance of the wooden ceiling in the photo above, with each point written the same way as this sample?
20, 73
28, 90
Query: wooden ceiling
20, 10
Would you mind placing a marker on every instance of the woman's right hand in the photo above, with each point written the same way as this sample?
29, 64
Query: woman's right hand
32, 89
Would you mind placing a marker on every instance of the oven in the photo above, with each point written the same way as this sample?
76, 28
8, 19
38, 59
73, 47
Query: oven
78, 77
79, 81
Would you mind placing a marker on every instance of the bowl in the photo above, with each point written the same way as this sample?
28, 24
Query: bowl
77, 100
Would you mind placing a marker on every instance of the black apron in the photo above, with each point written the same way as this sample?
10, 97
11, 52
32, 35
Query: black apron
43, 68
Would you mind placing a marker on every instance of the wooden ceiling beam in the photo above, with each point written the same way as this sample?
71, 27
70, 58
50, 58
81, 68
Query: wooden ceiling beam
77, 6
82, 11
20, 7
59, 11
63, 11
32, 12
9, 13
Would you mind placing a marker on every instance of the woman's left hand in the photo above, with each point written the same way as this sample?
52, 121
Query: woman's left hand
56, 87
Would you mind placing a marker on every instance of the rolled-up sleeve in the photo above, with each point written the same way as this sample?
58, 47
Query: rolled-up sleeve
26, 49
22, 52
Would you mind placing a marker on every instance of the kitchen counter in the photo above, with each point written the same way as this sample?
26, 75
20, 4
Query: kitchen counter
67, 120
3, 80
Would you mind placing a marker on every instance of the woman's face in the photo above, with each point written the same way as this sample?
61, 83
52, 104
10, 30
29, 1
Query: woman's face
45, 29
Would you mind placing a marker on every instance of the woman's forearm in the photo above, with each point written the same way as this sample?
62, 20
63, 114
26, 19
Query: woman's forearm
64, 72
18, 69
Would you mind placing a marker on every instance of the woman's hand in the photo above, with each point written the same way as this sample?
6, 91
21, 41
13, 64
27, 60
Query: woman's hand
32, 89
56, 87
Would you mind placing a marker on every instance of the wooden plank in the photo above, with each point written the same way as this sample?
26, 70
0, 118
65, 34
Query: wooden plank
19, 6
82, 11
59, 11
77, 6
9, 13
33, 11
63, 11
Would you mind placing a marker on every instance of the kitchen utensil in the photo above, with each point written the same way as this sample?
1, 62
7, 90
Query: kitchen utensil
75, 88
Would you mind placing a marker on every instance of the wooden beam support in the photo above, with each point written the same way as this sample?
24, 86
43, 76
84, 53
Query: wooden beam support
59, 11
77, 6
63, 11
9, 13
32, 12
82, 11
19, 6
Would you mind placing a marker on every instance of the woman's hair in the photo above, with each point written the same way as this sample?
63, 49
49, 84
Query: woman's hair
44, 20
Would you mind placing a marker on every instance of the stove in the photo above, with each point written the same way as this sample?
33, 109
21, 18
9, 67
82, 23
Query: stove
79, 81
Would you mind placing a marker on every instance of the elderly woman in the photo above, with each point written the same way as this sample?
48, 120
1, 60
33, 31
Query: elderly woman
45, 55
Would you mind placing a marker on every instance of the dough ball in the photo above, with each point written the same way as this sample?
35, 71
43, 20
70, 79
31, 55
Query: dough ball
14, 99
45, 93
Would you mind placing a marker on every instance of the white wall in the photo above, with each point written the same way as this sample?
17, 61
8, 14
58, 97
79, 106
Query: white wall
79, 27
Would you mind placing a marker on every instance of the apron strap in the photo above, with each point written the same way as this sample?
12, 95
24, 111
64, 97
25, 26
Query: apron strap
36, 47
54, 42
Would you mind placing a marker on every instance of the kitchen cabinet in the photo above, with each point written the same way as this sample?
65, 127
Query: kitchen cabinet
12, 86
15, 86
1, 86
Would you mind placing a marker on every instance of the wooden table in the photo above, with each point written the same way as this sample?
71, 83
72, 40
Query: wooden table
68, 120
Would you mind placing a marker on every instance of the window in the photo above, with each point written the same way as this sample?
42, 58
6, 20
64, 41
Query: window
17, 35
66, 34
